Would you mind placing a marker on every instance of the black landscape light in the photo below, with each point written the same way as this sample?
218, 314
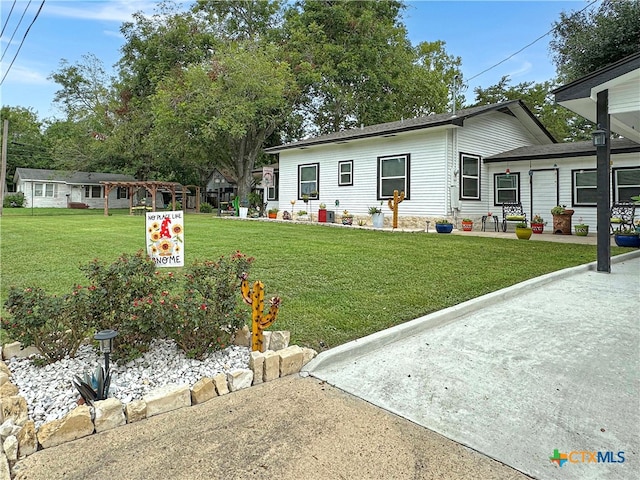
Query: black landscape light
105, 337
599, 138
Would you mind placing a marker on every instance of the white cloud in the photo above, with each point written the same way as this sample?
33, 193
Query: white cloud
522, 69
19, 74
111, 10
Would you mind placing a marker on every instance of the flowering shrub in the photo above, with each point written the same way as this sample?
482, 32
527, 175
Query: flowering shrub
198, 310
56, 325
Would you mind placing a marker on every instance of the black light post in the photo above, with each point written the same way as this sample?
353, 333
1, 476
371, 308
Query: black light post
217, 181
105, 337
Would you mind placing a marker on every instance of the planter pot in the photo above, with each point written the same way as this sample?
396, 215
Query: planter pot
523, 233
303, 218
467, 226
562, 224
627, 240
378, 220
537, 227
444, 227
243, 212
322, 215
347, 220
273, 215
582, 230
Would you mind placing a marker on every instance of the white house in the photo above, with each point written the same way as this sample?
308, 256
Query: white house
437, 160
56, 188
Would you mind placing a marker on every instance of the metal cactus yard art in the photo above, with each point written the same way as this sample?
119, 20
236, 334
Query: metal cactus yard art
259, 320
393, 205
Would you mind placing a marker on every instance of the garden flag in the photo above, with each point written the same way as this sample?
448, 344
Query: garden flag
165, 238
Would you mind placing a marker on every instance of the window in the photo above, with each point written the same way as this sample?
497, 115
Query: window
122, 192
626, 183
308, 180
44, 190
585, 191
272, 191
93, 191
345, 173
393, 174
507, 188
469, 177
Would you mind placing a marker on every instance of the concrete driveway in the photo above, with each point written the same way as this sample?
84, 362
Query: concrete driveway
547, 368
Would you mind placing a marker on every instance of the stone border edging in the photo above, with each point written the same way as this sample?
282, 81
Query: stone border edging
20, 437
362, 346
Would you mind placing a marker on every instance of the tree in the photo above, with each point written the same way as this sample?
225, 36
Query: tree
563, 124
586, 41
220, 112
354, 65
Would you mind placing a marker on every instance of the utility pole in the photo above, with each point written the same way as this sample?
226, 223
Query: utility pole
3, 169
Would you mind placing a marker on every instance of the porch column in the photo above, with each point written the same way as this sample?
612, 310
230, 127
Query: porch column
603, 155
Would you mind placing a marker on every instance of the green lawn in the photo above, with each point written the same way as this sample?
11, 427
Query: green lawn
336, 284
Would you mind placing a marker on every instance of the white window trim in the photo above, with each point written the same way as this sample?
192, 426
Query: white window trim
407, 166
496, 189
616, 186
476, 177
340, 173
43, 193
574, 185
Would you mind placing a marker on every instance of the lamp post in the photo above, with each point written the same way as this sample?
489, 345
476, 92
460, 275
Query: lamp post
217, 182
105, 337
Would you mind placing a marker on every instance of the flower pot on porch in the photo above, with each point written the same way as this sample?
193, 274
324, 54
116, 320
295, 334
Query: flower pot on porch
378, 220
627, 240
562, 223
523, 233
467, 226
537, 227
582, 230
243, 212
444, 227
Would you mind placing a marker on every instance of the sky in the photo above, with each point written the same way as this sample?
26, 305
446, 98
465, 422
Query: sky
482, 33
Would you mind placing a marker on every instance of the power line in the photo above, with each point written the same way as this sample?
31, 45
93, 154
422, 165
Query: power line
15, 30
23, 39
8, 17
527, 46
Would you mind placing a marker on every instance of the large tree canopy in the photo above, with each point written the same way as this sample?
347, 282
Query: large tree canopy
586, 41
355, 65
220, 112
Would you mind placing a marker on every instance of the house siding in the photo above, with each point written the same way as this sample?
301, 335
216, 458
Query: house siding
59, 200
624, 98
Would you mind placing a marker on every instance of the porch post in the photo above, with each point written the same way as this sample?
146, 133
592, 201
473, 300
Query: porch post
603, 154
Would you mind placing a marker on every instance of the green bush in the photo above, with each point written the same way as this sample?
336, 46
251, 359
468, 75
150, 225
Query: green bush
56, 325
14, 200
199, 310
206, 208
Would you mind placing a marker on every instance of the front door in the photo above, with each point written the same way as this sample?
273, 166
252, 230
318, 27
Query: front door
544, 192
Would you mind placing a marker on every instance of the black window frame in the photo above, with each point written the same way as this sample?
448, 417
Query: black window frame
477, 177
273, 191
516, 175
574, 187
615, 187
345, 162
317, 181
91, 188
407, 175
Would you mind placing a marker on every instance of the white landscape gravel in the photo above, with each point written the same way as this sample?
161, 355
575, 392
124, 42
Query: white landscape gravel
50, 395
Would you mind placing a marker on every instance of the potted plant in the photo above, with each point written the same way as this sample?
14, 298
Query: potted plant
302, 215
582, 230
561, 220
377, 217
444, 226
347, 218
523, 232
244, 208
273, 213
467, 224
537, 224
627, 237
322, 212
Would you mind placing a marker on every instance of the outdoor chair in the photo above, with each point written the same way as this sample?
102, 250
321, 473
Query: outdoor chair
622, 214
512, 212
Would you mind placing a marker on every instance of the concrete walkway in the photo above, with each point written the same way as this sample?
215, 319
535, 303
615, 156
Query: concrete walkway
550, 364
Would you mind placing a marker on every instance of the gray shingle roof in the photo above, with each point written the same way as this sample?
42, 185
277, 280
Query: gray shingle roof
561, 150
418, 123
70, 177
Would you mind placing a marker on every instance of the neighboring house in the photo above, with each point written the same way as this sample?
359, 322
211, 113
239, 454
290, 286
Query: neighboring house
436, 160
57, 188
221, 187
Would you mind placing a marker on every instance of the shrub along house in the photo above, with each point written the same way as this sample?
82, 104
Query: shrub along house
436, 160
59, 189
